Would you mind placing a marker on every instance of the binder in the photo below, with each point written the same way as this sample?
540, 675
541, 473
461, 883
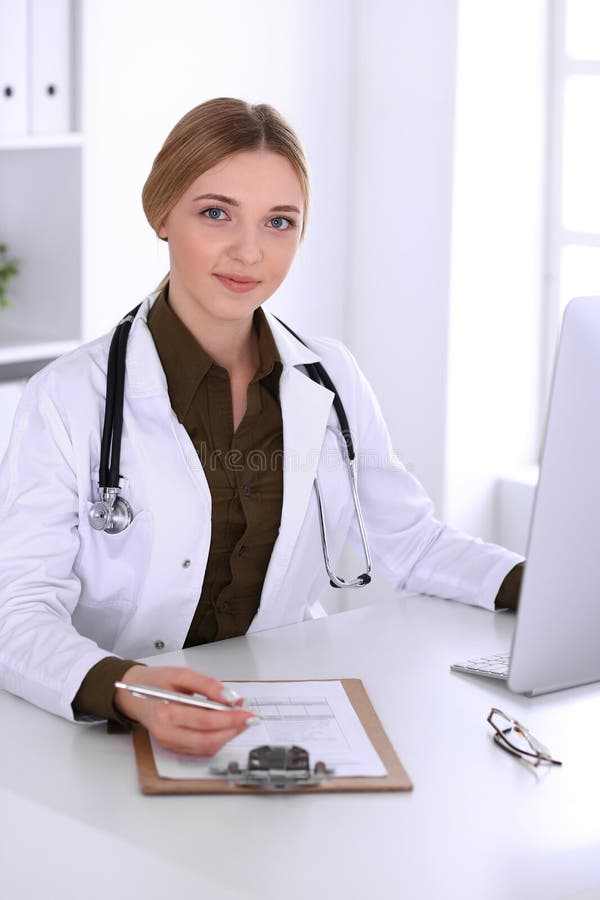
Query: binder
395, 780
49, 66
13, 67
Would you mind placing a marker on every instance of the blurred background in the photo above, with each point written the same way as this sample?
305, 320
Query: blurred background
454, 149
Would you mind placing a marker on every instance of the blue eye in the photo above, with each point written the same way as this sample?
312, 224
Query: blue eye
209, 213
289, 223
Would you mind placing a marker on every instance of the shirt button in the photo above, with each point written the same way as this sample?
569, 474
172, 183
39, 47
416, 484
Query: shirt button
243, 550
224, 605
160, 645
246, 490
186, 563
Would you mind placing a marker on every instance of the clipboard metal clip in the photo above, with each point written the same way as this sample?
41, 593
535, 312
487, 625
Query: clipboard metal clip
276, 768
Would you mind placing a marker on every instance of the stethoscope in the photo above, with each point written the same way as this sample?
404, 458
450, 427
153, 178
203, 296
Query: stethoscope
113, 514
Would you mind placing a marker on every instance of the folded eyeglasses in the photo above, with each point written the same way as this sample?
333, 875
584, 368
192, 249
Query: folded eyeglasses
518, 740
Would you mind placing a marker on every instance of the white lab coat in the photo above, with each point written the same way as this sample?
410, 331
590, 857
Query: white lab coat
70, 596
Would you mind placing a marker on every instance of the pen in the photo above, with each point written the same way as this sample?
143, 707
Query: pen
145, 690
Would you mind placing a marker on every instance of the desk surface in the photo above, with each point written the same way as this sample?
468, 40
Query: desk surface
479, 823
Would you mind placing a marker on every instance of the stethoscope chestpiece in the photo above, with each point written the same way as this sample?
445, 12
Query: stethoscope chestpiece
111, 514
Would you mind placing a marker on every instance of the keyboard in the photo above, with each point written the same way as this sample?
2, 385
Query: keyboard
495, 665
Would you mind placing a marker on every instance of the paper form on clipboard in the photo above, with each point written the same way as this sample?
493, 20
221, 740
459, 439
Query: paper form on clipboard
316, 715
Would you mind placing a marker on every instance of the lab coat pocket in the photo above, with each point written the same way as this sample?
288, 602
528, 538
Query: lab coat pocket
112, 569
112, 545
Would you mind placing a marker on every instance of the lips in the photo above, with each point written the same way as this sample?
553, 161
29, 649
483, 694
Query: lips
241, 279
239, 284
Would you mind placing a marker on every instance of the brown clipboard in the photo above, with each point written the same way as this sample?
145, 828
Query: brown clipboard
395, 780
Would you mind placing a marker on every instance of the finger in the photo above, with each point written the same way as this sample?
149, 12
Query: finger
177, 715
193, 682
193, 740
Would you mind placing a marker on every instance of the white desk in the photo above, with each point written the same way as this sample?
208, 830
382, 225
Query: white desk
479, 823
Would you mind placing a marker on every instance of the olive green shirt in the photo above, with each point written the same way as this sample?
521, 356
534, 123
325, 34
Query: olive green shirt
244, 469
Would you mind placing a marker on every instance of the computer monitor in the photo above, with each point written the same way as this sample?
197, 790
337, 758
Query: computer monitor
557, 637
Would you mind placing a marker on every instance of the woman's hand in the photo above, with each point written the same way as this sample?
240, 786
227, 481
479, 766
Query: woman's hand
183, 729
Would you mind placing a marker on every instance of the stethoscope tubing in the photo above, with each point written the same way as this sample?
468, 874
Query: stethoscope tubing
112, 431
334, 580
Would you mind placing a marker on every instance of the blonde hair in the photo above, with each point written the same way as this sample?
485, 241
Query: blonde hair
208, 134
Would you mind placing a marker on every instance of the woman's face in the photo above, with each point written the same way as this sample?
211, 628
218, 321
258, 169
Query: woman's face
240, 219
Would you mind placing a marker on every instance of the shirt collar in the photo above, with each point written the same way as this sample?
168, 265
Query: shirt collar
184, 360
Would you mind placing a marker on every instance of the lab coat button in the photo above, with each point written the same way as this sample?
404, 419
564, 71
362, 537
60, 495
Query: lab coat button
186, 563
160, 645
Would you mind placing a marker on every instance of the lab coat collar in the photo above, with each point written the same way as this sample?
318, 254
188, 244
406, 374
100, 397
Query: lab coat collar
292, 351
145, 375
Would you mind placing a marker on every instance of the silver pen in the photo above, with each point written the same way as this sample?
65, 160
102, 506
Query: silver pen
146, 690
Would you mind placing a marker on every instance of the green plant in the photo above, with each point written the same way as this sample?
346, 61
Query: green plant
8, 269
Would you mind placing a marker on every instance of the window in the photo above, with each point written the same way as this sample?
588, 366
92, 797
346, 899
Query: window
573, 263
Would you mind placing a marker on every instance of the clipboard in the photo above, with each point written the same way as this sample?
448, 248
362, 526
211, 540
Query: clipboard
396, 779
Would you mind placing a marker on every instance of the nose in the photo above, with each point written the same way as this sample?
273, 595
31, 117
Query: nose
246, 246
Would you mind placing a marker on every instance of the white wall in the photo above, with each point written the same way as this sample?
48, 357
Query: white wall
448, 239
494, 340
145, 63
401, 210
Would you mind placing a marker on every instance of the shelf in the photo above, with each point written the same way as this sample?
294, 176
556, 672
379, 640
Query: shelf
19, 350
40, 141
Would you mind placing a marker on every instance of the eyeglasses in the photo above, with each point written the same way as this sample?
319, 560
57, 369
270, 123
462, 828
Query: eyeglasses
518, 740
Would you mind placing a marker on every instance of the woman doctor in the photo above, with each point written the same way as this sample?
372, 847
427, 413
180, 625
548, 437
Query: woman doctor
223, 435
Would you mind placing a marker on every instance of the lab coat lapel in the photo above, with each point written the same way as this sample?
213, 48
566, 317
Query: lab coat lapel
305, 410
